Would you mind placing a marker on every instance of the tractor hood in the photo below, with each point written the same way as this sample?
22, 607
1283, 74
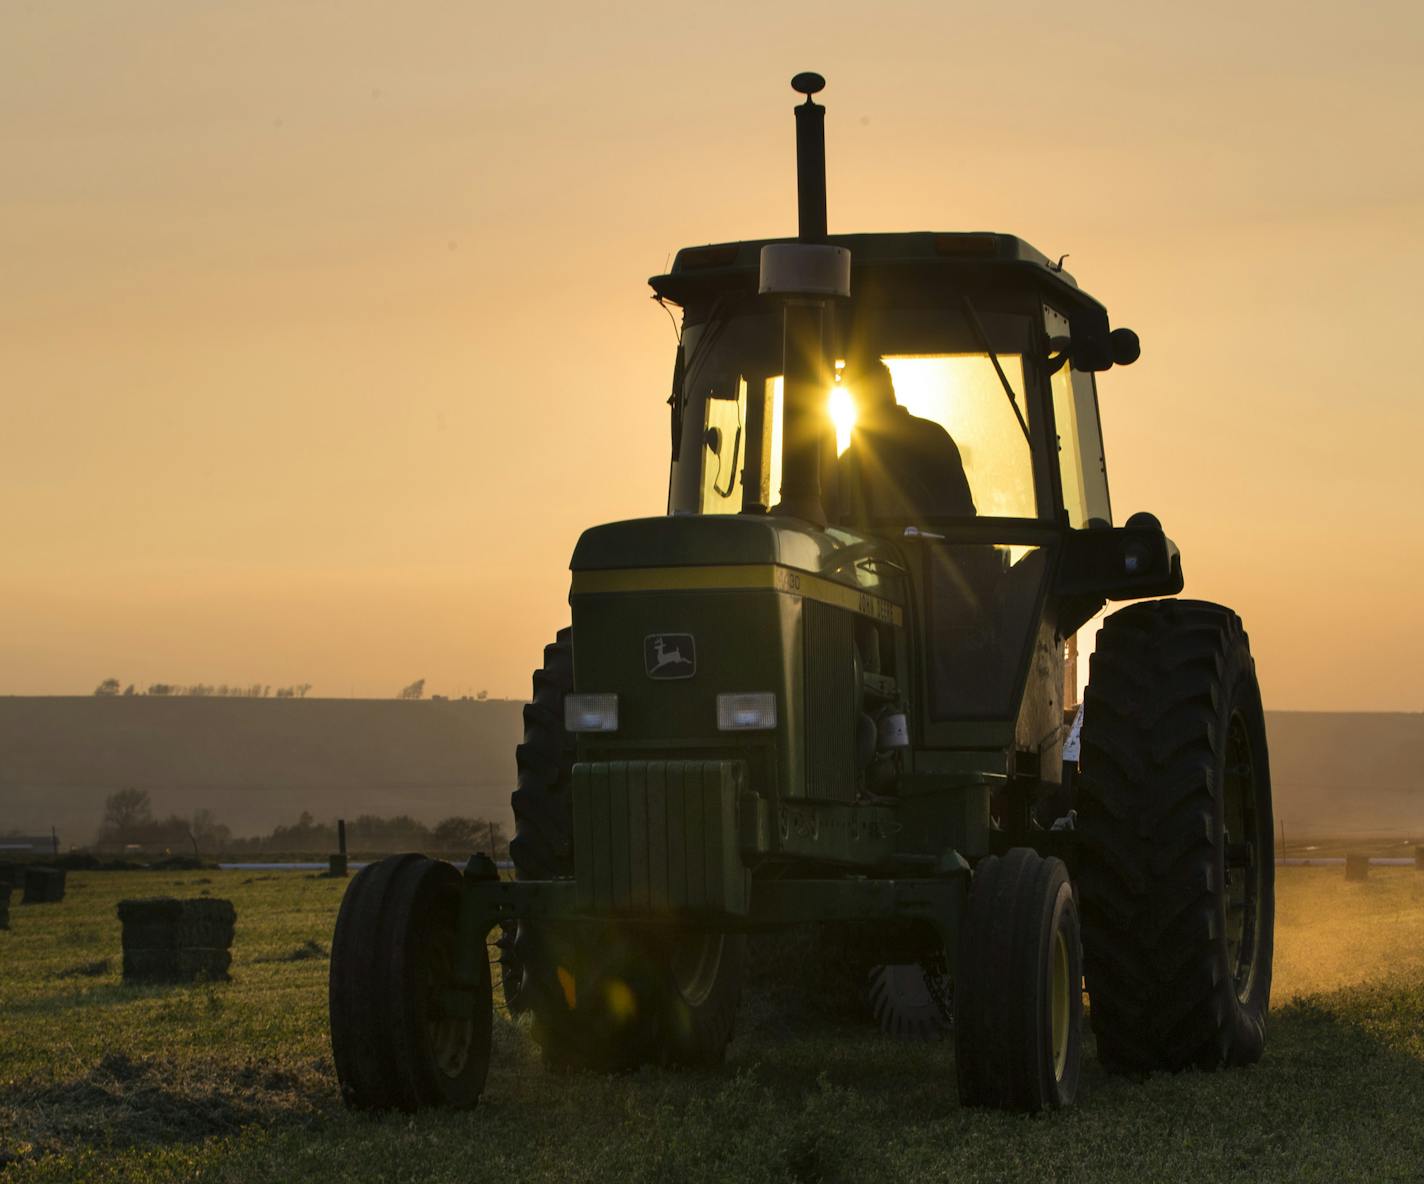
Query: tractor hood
712, 541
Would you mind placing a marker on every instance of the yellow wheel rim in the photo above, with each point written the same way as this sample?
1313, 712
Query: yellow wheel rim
696, 959
1060, 1000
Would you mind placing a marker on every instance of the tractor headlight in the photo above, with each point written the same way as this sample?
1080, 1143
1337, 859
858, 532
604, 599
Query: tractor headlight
744, 711
591, 713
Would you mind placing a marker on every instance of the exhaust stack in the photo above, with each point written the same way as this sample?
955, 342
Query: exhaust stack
807, 274
810, 160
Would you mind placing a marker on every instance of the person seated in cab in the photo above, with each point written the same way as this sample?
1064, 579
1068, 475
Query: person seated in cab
899, 467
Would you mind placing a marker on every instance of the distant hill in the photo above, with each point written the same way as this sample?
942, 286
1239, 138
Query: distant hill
259, 762
253, 762
1345, 772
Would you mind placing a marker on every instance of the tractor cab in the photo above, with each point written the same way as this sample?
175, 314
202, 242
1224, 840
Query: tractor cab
974, 330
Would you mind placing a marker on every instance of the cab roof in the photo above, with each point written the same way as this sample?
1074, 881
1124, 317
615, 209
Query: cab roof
720, 267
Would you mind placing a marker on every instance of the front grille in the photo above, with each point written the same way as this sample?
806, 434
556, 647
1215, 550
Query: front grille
659, 838
831, 709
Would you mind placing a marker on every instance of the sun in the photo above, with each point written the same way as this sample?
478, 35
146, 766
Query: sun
842, 412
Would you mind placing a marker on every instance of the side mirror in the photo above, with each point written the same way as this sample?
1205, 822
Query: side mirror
1092, 347
1123, 563
1124, 346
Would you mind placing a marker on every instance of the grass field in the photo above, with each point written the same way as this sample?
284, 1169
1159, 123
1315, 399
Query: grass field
233, 1082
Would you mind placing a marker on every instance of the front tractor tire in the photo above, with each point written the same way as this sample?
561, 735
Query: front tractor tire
604, 998
701, 993
1018, 993
1176, 858
395, 1045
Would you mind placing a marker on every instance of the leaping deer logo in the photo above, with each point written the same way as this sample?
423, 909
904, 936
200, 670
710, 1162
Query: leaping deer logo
670, 655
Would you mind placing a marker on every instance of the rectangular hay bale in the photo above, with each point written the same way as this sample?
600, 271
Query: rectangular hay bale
43, 885
5, 891
166, 923
170, 940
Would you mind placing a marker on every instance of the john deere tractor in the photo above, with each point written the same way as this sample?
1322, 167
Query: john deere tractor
826, 688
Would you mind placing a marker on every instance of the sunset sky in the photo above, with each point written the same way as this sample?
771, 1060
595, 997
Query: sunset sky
324, 327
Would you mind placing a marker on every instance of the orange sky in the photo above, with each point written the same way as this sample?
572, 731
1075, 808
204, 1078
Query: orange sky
324, 330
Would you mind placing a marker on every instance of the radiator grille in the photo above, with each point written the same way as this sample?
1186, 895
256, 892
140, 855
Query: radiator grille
658, 838
831, 709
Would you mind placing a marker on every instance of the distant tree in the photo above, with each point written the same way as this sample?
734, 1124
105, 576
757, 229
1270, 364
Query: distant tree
415, 691
173, 833
457, 834
306, 836
129, 691
207, 830
128, 813
401, 833
302, 688
163, 688
110, 686
469, 834
482, 696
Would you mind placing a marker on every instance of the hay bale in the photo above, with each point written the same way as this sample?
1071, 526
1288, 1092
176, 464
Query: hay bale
12, 875
164, 923
1357, 867
1419, 859
43, 885
168, 940
5, 891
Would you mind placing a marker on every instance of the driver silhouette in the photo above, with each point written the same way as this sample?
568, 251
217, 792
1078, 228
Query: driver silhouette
908, 468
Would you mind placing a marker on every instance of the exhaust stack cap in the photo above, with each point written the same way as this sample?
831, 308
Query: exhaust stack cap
808, 83
804, 269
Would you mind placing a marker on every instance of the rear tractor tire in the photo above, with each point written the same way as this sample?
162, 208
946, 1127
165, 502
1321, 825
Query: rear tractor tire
392, 967
605, 998
1018, 990
1176, 863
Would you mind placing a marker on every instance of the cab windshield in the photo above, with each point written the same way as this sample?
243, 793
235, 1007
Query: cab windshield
934, 434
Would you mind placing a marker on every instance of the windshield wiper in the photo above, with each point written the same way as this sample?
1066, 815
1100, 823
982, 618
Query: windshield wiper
983, 337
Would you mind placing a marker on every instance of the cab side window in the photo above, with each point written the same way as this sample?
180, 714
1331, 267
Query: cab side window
1080, 443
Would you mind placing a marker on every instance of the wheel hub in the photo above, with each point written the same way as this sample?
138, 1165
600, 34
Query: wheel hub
449, 1037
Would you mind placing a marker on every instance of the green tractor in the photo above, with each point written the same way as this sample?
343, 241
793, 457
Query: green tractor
827, 688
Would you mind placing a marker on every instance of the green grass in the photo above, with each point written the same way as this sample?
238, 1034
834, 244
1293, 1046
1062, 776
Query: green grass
233, 1081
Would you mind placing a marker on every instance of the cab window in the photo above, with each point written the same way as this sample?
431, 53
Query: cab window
1081, 465
962, 394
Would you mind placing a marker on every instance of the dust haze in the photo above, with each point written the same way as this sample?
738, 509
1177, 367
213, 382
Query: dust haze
1332, 934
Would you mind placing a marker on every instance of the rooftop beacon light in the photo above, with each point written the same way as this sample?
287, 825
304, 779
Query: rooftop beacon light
806, 275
